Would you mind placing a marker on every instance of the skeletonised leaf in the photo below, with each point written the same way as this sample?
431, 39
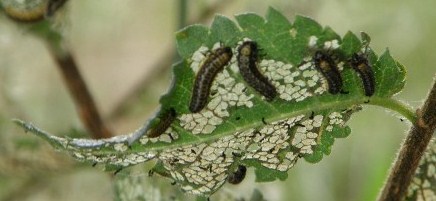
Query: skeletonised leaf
238, 126
423, 186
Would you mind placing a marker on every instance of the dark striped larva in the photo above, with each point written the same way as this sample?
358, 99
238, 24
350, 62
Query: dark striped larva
329, 69
25, 11
237, 176
361, 65
214, 63
165, 122
247, 62
53, 6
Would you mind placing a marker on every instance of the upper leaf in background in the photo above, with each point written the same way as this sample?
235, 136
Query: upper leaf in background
238, 126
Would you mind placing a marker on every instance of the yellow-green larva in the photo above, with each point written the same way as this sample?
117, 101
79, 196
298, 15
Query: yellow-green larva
214, 63
247, 62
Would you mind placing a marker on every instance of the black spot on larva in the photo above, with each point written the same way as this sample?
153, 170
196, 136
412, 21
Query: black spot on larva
214, 63
94, 164
329, 69
237, 176
53, 6
361, 65
238, 118
247, 62
165, 121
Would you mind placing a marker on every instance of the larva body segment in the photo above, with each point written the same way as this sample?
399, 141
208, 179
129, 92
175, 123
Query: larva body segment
214, 63
247, 63
25, 11
165, 122
328, 68
363, 68
237, 176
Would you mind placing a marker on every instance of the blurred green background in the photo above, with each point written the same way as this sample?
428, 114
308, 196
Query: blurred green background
123, 48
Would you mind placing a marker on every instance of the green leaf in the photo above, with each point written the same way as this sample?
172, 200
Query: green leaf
223, 30
390, 75
351, 43
190, 39
238, 126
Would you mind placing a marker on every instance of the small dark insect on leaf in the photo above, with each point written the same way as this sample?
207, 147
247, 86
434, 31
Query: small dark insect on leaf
214, 63
263, 121
247, 62
224, 156
117, 171
329, 69
165, 122
171, 137
300, 125
237, 176
361, 65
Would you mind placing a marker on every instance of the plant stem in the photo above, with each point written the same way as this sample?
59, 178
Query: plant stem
78, 89
411, 151
395, 105
163, 64
82, 97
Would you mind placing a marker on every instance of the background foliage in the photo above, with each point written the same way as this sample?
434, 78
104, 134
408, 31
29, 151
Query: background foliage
117, 44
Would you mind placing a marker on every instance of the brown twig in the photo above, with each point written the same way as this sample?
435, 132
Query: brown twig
82, 98
411, 151
164, 63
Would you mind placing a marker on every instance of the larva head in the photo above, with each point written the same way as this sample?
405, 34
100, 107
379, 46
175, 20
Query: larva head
359, 62
248, 48
225, 50
323, 60
319, 55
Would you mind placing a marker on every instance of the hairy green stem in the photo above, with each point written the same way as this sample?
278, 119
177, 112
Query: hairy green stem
395, 105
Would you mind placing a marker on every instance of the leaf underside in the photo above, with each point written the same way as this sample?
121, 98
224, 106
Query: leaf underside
238, 126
